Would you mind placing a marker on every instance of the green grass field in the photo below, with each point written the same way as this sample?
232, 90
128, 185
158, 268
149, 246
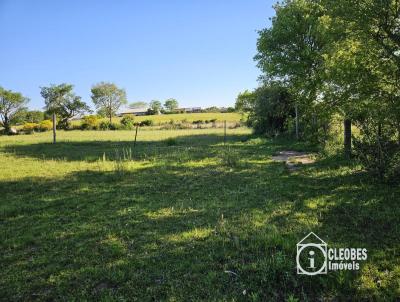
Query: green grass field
183, 217
189, 117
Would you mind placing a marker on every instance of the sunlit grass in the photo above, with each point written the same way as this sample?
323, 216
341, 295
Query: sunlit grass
196, 220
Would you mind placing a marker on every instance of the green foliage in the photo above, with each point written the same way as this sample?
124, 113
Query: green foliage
55, 95
12, 104
378, 150
45, 125
30, 127
155, 107
212, 109
34, 116
273, 106
128, 122
146, 123
197, 122
245, 101
336, 58
61, 100
108, 98
90, 122
107, 125
171, 105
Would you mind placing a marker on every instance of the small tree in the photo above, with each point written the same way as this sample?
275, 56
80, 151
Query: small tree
11, 105
54, 96
34, 116
171, 104
72, 106
155, 106
273, 107
245, 101
108, 98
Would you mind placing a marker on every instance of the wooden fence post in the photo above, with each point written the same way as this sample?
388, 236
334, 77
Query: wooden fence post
134, 143
54, 127
224, 132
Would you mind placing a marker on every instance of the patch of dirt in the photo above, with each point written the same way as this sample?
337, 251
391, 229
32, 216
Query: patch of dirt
293, 159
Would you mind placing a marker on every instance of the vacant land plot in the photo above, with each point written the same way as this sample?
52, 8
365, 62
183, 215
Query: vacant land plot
182, 217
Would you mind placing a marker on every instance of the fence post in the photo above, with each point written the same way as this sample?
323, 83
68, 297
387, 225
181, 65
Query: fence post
297, 122
134, 143
224, 132
54, 127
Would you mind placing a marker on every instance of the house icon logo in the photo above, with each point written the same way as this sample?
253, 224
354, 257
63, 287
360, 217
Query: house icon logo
311, 256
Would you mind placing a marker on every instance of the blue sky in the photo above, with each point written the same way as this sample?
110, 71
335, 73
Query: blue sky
197, 51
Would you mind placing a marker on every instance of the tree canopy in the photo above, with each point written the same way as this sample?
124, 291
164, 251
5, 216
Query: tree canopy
171, 104
108, 98
61, 100
11, 105
335, 58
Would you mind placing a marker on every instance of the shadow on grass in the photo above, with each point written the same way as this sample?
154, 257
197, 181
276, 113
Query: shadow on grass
94, 150
193, 233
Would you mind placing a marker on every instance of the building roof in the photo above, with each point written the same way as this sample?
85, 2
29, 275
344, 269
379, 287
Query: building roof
133, 110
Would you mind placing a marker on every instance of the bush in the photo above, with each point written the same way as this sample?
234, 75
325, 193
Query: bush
381, 157
198, 122
90, 122
30, 127
128, 122
175, 126
45, 125
273, 107
377, 148
146, 123
106, 125
171, 141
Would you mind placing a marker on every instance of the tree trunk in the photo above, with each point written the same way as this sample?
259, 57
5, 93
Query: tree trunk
398, 135
54, 128
6, 125
297, 122
347, 138
110, 118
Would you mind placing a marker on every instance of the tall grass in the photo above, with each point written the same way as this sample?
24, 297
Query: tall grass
121, 162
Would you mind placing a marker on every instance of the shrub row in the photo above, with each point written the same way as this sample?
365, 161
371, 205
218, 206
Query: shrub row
91, 122
44, 125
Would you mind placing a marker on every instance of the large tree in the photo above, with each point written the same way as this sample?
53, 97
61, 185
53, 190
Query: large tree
171, 104
108, 98
155, 106
297, 50
291, 52
11, 105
